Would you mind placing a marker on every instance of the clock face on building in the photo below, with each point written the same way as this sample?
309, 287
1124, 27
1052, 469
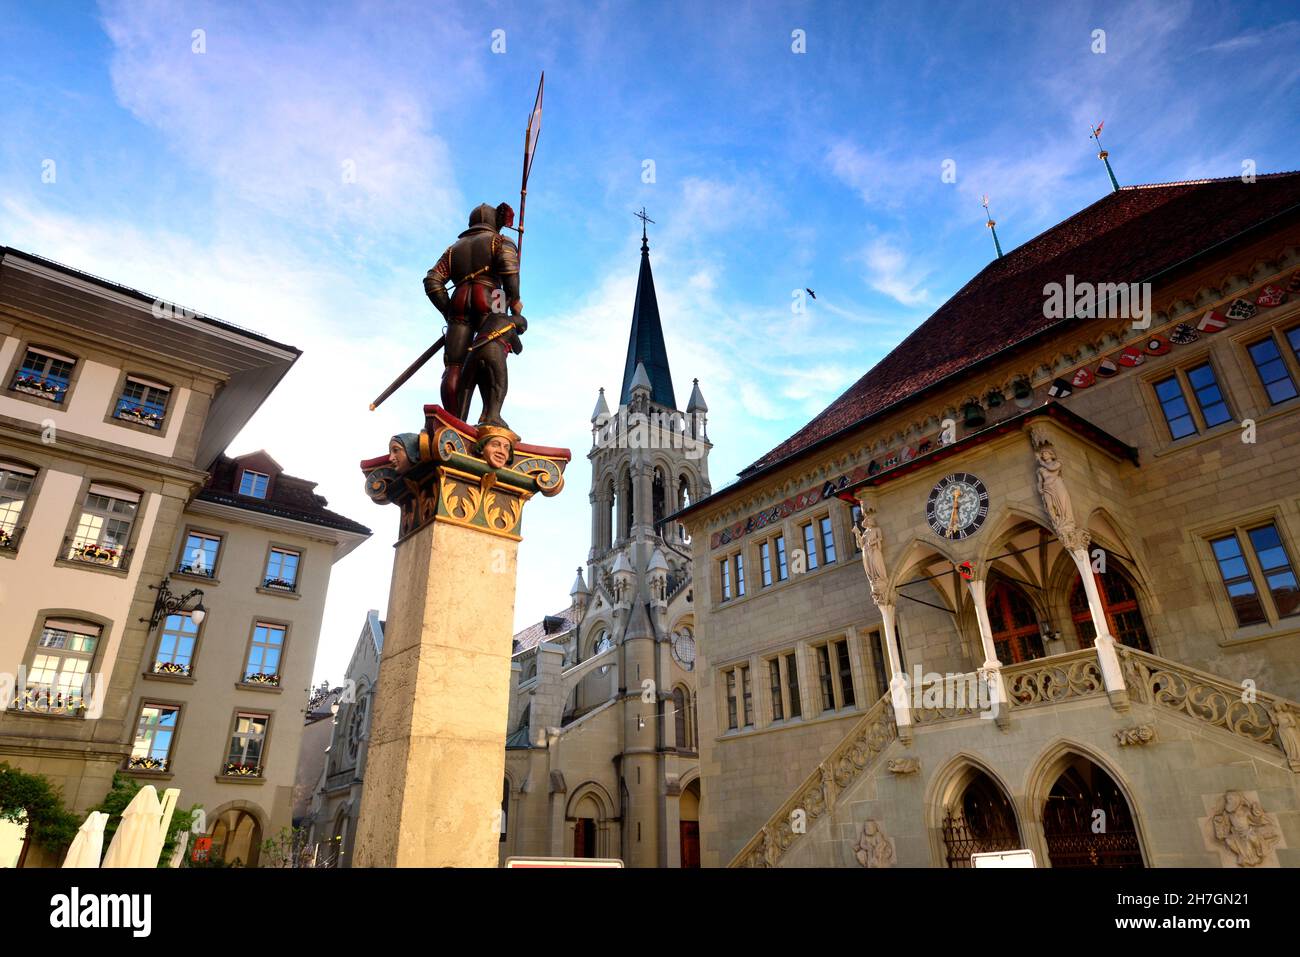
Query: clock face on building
958, 506
684, 649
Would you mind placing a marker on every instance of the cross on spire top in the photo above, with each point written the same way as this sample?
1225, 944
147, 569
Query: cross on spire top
645, 243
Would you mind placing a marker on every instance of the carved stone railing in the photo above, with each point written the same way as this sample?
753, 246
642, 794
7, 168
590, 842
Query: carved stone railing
849, 759
1075, 674
949, 698
675, 585
1249, 714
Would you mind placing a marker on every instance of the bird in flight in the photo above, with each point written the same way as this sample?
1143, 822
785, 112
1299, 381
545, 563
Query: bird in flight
810, 292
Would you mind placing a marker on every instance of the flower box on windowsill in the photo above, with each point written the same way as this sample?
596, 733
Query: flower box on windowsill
9, 540
95, 554
279, 584
259, 678
141, 417
148, 764
39, 700
234, 770
32, 385
196, 571
171, 668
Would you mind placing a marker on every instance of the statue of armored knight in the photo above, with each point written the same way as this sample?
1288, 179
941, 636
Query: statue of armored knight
484, 315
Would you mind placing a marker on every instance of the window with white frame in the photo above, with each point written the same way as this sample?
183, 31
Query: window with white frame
104, 527
44, 374
264, 652
154, 732
176, 646
282, 569
247, 745
59, 669
15, 487
143, 402
253, 484
199, 557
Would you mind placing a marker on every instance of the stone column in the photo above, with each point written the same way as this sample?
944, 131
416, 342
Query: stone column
871, 541
1056, 502
991, 670
436, 759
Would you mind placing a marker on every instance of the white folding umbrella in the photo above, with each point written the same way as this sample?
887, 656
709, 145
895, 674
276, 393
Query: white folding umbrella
136, 843
89, 842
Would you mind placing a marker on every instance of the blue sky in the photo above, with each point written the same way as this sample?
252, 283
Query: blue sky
215, 180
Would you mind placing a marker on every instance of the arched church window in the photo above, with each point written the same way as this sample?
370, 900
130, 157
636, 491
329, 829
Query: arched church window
626, 504
1016, 633
658, 494
679, 717
1120, 601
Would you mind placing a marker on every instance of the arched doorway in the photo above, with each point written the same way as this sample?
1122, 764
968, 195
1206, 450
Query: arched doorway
978, 818
688, 806
1123, 614
1087, 820
237, 838
1017, 635
586, 814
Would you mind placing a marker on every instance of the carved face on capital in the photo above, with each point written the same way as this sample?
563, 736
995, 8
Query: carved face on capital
496, 452
397, 456
1046, 454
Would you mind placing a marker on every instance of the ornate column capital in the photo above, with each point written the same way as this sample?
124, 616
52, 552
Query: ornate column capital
477, 477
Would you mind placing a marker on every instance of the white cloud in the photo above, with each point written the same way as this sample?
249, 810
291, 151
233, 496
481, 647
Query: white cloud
889, 271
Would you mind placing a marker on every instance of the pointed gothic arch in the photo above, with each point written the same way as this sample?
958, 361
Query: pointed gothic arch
969, 810
1065, 789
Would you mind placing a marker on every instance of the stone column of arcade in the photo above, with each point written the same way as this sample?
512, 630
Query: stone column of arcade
432, 791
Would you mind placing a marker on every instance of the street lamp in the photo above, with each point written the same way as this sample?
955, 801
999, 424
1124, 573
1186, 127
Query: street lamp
169, 604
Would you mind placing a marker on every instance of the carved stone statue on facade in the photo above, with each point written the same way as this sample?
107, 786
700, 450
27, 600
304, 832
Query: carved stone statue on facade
1055, 496
1136, 735
873, 849
871, 541
1288, 734
1244, 829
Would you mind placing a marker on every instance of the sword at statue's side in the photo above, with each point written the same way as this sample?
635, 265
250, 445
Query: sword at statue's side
411, 370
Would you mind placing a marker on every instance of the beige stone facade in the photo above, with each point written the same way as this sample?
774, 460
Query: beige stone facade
93, 492
238, 682
1014, 721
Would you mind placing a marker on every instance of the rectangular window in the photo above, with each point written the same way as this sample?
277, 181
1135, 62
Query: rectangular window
731, 699
828, 540
1293, 340
264, 655
153, 738
792, 684
45, 375
765, 562
253, 483
847, 696
1238, 581
200, 554
878, 662
104, 528
176, 646
282, 570
747, 697
782, 571
1174, 405
810, 544
740, 574
143, 402
246, 745
824, 677
1276, 566
60, 666
1272, 370
1209, 397
725, 567
774, 683
15, 485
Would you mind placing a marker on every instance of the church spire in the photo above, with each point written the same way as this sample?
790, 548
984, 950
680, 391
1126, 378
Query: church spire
646, 344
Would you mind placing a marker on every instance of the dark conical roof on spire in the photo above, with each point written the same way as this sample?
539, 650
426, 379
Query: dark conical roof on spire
646, 344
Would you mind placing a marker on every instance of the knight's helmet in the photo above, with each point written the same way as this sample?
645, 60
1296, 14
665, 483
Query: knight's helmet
483, 215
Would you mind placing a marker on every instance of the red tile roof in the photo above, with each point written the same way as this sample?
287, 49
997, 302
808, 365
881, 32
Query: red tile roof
1133, 235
